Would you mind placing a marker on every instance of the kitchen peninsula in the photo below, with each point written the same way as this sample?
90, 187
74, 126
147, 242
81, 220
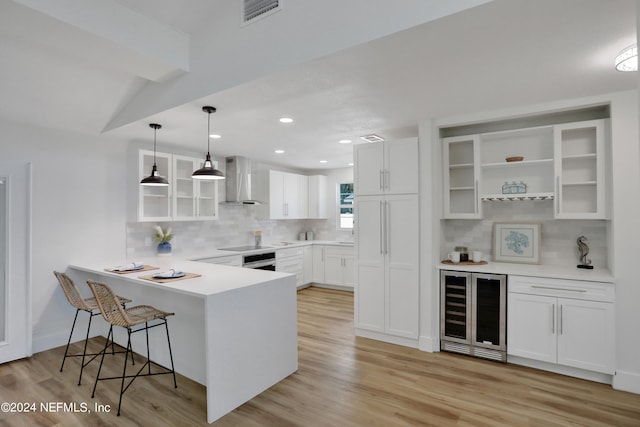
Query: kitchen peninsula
234, 330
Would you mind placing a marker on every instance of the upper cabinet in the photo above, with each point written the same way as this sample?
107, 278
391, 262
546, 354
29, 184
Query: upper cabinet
184, 199
564, 163
386, 167
290, 195
579, 170
461, 157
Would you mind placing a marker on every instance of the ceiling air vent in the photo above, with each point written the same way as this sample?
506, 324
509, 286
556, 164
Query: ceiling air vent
254, 9
372, 138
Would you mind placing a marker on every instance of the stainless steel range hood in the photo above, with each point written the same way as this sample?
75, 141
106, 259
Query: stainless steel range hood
238, 181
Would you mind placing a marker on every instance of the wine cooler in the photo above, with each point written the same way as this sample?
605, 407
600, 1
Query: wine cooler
473, 310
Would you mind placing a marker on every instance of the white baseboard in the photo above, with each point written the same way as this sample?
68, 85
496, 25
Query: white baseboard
392, 339
560, 369
428, 344
627, 381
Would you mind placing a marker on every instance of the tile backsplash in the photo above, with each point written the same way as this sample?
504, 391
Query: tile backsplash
558, 241
235, 227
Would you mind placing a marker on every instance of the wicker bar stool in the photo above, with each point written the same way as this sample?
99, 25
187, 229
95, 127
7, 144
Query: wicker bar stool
128, 318
88, 305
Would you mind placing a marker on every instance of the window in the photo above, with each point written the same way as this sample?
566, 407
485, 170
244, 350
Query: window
345, 205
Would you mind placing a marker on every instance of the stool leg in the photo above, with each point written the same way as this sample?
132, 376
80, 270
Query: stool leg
66, 351
84, 352
173, 371
124, 370
146, 331
104, 351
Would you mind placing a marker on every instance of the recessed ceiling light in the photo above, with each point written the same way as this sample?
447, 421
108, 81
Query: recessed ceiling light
215, 136
279, 151
323, 161
372, 138
350, 164
345, 141
286, 120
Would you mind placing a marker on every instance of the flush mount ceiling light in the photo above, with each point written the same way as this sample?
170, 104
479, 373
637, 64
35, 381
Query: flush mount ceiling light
154, 179
279, 151
286, 120
627, 60
345, 141
372, 138
207, 171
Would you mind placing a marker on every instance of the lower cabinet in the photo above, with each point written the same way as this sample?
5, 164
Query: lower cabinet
334, 265
291, 260
564, 322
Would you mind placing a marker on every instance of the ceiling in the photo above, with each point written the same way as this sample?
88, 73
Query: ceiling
501, 54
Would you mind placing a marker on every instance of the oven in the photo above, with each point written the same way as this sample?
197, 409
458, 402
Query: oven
260, 261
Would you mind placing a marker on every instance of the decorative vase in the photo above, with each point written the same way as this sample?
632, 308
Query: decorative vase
164, 249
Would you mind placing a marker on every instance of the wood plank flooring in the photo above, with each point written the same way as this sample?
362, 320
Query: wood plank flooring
341, 381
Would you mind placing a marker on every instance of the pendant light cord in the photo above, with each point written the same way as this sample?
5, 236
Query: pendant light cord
208, 131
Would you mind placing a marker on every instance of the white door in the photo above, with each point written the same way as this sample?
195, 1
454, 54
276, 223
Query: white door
532, 326
369, 292
586, 335
368, 171
15, 301
402, 277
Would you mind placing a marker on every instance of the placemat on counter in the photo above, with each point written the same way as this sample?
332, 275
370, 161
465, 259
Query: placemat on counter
145, 268
170, 279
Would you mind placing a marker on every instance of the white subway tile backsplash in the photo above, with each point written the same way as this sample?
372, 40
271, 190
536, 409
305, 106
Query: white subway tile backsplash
558, 236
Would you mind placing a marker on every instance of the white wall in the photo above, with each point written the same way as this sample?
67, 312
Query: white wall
79, 208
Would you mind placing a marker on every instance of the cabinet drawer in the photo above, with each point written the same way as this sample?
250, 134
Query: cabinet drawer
576, 289
290, 252
338, 251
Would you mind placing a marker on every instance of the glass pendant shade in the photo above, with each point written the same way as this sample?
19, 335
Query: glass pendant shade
154, 179
207, 171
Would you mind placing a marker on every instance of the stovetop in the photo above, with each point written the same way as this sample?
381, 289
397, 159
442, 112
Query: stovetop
245, 248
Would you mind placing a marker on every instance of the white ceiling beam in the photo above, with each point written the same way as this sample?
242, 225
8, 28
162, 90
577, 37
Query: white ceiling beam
117, 35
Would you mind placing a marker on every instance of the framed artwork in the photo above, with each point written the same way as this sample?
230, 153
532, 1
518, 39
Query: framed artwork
516, 242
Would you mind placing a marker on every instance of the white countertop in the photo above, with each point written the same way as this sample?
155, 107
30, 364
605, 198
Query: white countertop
266, 246
550, 271
214, 278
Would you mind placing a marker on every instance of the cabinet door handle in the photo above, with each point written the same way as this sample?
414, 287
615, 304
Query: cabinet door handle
387, 179
557, 289
560, 321
387, 236
476, 195
558, 194
381, 179
553, 318
381, 226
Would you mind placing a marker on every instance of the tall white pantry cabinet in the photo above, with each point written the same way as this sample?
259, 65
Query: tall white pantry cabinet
387, 241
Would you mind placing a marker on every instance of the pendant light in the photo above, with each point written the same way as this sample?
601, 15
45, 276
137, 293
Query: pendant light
154, 179
207, 171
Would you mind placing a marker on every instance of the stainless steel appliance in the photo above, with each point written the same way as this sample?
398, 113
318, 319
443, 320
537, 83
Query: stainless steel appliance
260, 261
473, 311
238, 182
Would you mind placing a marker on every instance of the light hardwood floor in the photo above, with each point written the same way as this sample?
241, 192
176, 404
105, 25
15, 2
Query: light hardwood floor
341, 381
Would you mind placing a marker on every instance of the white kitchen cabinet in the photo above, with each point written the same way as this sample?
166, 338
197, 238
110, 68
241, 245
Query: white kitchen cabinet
291, 260
339, 268
386, 167
334, 265
317, 197
184, 198
154, 202
387, 245
318, 263
286, 194
307, 264
461, 159
579, 170
193, 199
562, 322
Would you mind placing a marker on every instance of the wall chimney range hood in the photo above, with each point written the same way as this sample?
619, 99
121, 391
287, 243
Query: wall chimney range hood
238, 182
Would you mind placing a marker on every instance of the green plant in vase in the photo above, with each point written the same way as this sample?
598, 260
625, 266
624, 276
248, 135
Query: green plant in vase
163, 237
